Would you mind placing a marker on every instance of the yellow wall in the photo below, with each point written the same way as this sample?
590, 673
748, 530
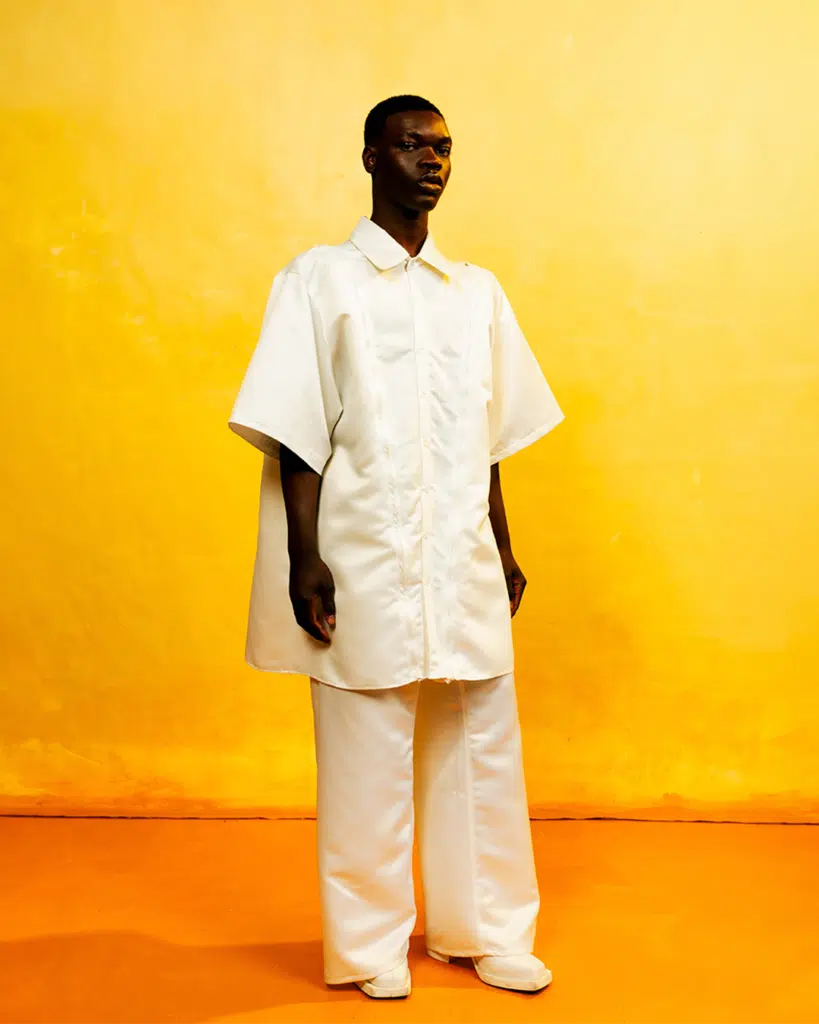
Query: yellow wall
641, 175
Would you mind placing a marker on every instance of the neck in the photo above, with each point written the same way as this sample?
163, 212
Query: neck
407, 227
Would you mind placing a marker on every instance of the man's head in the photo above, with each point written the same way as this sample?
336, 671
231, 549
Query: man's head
407, 151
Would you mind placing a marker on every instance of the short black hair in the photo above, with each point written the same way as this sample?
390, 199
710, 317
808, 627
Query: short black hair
377, 117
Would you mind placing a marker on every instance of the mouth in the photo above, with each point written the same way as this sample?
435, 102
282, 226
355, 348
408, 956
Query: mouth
431, 184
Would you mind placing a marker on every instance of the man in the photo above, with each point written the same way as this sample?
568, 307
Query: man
386, 386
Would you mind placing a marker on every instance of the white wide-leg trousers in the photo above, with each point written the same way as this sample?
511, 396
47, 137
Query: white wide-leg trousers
475, 841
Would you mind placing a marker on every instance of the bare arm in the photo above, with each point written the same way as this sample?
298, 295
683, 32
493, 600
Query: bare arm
515, 580
312, 590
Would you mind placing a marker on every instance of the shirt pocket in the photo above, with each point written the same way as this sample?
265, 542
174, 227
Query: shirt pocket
465, 351
388, 322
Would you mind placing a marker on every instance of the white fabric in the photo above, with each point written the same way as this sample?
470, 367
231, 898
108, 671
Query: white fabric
480, 888
401, 380
393, 985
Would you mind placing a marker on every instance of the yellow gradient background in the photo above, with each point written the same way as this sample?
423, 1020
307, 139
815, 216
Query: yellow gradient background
642, 176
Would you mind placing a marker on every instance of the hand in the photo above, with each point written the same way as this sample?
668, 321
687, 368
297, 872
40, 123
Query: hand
312, 594
515, 580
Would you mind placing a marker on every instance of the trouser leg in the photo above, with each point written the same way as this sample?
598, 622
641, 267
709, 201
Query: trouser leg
365, 823
475, 840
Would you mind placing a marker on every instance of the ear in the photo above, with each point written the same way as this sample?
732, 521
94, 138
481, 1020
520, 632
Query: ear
368, 159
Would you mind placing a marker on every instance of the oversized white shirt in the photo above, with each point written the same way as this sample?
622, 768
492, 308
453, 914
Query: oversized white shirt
401, 380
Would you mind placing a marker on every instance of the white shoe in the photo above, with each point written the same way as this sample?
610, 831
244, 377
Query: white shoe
520, 973
392, 984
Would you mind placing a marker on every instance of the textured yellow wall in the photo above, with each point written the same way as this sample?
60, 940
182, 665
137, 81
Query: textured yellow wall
642, 176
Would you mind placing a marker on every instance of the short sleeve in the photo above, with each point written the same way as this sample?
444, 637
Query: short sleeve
288, 395
522, 407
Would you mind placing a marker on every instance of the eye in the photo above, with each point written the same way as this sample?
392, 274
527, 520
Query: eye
406, 145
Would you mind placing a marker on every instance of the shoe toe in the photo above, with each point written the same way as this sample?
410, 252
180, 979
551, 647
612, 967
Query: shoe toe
523, 973
392, 984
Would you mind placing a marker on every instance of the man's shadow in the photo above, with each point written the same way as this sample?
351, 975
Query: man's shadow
128, 978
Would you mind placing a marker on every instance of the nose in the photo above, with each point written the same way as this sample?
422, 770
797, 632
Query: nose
431, 161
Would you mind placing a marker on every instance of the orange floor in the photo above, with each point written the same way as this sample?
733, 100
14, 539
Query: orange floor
144, 921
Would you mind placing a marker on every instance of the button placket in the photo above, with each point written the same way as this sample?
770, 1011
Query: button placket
427, 476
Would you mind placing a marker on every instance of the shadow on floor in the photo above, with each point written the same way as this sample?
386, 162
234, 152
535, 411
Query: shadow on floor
128, 978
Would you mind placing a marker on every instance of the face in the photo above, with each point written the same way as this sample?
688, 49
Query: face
410, 163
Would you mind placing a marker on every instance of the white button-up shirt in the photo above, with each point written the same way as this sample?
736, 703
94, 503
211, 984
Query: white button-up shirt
401, 380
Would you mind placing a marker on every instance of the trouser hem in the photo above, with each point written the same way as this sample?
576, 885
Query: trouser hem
366, 975
481, 952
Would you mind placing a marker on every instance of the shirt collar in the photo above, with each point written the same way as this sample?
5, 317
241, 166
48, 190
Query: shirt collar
382, 250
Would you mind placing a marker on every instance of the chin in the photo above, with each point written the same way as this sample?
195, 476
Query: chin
427, 202
418, 203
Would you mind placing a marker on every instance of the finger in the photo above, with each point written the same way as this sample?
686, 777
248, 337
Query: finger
317, 619
310, 629
328, 599
521, 592
305, 618
517, 588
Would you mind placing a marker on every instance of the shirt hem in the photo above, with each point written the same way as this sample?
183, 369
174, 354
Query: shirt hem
530, 438
339, 685
313, 460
